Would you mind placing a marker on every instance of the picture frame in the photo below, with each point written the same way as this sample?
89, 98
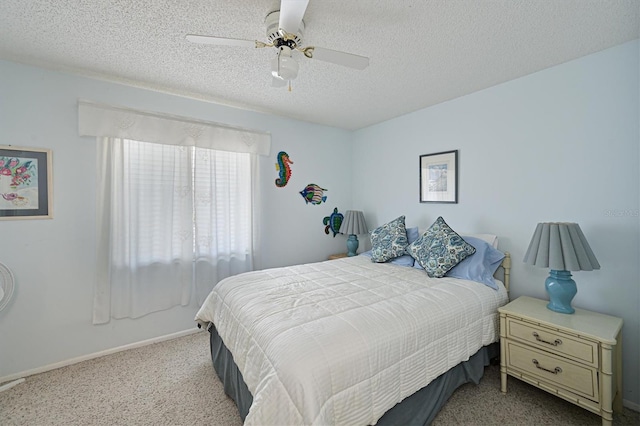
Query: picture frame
439, 177
25, 183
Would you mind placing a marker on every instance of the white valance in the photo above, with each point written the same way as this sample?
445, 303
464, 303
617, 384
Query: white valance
110, 121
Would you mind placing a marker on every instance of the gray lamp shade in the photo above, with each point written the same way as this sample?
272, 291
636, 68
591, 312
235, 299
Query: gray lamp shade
353, 223
560, 246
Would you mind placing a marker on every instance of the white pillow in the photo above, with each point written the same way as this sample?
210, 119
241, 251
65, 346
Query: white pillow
489, 238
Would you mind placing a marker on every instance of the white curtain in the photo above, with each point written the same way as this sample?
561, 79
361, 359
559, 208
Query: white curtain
145, 218
224, 223
173, 218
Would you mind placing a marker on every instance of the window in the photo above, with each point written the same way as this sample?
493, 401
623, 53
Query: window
174, 216
177, 219
177, 194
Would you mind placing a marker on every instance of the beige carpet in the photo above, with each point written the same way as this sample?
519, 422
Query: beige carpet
173, 383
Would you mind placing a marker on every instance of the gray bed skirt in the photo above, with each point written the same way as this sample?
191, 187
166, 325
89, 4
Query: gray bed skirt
418, 409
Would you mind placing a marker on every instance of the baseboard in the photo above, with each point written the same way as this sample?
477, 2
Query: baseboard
630, 405
76, 360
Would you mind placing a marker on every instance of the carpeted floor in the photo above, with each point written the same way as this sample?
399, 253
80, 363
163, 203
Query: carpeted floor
173, 383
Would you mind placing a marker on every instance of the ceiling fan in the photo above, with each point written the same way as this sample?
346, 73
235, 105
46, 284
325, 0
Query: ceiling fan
285, 29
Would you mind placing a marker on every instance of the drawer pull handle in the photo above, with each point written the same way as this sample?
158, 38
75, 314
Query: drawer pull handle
554, 371
554, 343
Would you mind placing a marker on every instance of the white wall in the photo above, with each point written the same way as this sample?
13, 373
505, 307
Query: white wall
49, 319
558, 145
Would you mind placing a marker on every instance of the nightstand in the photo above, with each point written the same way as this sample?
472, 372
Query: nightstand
337, 256
574, 356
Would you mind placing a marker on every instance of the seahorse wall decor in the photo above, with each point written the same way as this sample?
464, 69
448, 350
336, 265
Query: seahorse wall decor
282, 166
312, 193
333, 222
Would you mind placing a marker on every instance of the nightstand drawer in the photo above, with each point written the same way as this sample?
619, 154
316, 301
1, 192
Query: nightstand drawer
554, 341
576, 378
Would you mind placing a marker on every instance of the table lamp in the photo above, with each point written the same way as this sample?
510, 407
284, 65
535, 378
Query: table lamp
352, 225
562, 247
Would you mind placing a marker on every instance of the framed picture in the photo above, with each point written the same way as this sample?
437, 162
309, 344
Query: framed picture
25, 183
439, 177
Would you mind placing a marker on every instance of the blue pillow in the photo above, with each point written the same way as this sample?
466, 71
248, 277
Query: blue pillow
404, 260
412, 234
440, 249
389, 241
480, 266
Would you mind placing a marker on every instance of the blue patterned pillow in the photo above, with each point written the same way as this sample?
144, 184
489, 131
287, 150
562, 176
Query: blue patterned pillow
389, 241
440, 249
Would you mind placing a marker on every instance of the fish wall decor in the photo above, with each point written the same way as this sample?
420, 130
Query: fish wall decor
312, 193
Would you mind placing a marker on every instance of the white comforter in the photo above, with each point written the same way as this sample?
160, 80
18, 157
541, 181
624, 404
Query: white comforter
341, 342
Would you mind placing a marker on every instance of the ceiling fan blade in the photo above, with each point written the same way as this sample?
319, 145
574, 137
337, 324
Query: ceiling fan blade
335, 57
222, 41
291, 13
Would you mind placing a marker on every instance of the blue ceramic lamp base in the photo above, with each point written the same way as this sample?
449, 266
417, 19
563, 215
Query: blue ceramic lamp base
561, 289
352, 245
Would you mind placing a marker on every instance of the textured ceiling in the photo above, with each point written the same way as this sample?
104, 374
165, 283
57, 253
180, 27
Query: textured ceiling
421, 52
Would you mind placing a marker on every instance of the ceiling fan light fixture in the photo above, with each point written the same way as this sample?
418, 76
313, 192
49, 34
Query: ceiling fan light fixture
284, 66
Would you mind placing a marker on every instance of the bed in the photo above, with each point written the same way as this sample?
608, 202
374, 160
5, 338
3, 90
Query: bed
349, 341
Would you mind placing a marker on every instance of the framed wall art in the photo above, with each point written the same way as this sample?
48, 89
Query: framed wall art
439, 177
25, 183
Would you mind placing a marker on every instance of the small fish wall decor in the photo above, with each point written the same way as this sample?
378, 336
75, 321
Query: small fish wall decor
283, 168
333, 222
312, 193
